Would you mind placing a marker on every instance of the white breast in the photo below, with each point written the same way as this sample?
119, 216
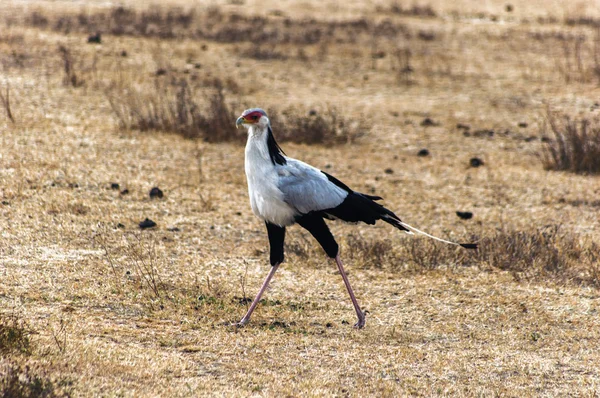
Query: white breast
265, 197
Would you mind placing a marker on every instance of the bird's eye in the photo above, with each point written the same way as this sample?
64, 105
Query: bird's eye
254, 117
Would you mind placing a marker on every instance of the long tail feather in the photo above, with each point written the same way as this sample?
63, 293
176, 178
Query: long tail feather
465, 245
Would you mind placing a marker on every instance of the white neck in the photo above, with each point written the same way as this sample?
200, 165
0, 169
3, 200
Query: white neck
256, 146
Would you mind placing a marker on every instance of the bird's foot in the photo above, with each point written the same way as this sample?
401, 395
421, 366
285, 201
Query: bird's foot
362, 320
241, 323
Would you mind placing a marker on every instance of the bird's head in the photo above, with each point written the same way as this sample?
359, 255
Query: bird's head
253, 117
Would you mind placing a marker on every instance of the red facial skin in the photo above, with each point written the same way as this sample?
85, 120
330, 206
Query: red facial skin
252, 117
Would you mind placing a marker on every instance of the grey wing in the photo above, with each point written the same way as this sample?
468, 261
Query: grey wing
306, 188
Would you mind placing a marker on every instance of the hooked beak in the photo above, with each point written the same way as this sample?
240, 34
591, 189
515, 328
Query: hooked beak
240, 122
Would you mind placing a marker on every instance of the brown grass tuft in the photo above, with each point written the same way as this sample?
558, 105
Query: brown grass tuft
70, 78
315, 127
5, 99
31, 381
547, 253
574, 144
174, 108
14, 335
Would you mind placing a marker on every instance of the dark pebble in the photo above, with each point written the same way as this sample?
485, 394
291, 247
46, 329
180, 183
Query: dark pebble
147, 223
423, 152
95, 39
123, 53
427, 122
161, 72
476, 162
312, 112
523, 125
125, 192
461, 126
156, 193
509, 8
465, 215
114, 186
389, 171
121, 226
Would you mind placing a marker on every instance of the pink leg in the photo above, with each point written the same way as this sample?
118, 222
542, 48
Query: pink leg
361, 316
246, 317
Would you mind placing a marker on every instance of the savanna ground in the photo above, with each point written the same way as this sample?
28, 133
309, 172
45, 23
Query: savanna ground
91, 305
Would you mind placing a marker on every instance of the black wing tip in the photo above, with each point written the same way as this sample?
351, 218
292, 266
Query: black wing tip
472, 246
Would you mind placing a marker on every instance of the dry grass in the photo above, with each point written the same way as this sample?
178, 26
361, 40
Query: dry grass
172, 107
325, 126
573, 145
32, 382
544, 254
14, 335
97, 298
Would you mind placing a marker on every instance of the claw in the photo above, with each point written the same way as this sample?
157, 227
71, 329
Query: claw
361, 322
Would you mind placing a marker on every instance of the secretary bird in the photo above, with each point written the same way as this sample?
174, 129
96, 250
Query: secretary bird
285, 191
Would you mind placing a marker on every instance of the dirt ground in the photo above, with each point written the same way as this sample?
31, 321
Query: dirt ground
108, 309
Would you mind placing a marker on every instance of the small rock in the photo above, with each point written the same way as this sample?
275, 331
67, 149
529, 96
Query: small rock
161, 72
312, 112
523, 124
423, 152
389, 171
125, 192
5, 203
428, 122
509, 8
476, 162
465, 215
461, 126
124, 53
114, 186
147, 223
95, 39
120, 226
156, 193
